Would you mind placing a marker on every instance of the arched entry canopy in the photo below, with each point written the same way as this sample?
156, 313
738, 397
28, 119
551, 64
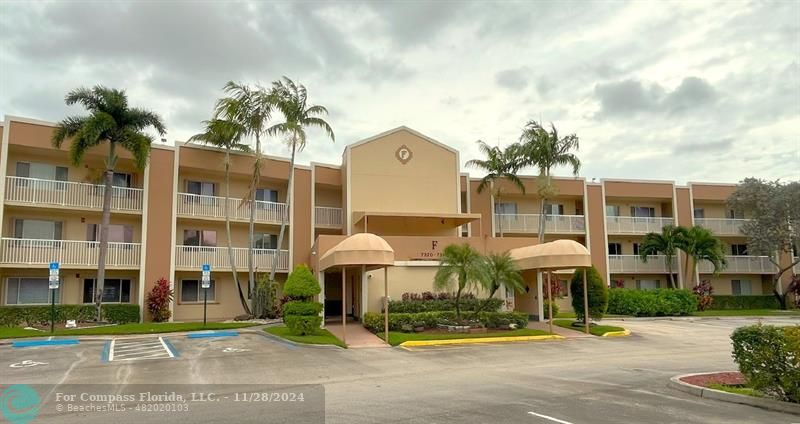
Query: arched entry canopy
553, 256
368, 251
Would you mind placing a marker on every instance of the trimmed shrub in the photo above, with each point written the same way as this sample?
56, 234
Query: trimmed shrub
301, 284
39, 315
430, 305
158, 301
650, 303
547, 310
598, 293
745, 302
300, 314
302, 308
122, 313
503, 319
373, 321
768, 356
301, 325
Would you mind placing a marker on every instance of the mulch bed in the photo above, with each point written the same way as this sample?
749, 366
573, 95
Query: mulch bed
726, 378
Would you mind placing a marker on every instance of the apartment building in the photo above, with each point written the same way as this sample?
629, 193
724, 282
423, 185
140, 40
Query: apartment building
168, 220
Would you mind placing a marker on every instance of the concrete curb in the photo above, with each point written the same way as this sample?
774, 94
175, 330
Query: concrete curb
294, 343
694, 318
703, 392
623, 333
414, 343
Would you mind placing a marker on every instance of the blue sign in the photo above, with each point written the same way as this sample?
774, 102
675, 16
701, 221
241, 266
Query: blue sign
206, 267
54, 265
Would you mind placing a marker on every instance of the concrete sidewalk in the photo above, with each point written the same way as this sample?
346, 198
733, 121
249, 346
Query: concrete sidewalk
357, 335
564, 332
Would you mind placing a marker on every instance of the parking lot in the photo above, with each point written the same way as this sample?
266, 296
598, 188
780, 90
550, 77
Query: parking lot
586, 380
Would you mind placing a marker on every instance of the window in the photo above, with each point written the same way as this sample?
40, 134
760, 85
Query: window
267, 195
265, 241
612, 210
553, 209
42, 171
643, 212
207, 238
741, 287
636, 249
121, 180
614, 248
200, 188
505, 208
116, 233
37, 229
739, 249
647, 284
192, 291
732, 214
28, 291
115, 290
699, 213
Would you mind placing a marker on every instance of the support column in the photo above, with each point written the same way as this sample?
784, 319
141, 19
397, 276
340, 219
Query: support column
386, 304
322, 297
344, 307
550, 300
539, 297
364, 291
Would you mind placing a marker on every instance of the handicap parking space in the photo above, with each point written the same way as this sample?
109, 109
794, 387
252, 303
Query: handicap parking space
138, 349
29, 361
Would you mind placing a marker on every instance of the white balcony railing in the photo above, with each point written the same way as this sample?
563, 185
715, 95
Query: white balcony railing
193, 257
635, 225
633, 263
38, 192
325, 216
195, 205
722, 226
529, 223
15, 251
741, 265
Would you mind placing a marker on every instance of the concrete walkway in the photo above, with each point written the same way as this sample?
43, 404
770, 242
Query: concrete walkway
570, 334
357, 335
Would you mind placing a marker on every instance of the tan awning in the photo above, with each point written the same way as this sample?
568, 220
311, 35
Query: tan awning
359, 249
559, 254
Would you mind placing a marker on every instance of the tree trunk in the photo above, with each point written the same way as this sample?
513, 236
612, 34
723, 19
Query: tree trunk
104, 222
458, 300
686, 271
668, 263
251, 277
542, 219
285, 216
228, 233
781, 299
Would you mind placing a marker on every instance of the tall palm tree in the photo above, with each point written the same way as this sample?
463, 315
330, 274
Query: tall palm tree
499, 164
462, 263
700, 244
667, 243
499, 270
252, 109
227, 135
545, 150
292, 101
113, 122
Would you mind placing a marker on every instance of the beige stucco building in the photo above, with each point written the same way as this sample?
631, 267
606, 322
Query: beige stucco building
168, 220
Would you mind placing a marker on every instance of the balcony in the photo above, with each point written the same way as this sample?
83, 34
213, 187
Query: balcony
634, 264
328, 217
529, 223
741, 265
191, 258
213, 207
68, 194
69, 253
636, 225
722, 226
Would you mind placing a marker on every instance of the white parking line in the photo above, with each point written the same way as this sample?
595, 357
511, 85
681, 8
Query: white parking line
555, 420
131, 350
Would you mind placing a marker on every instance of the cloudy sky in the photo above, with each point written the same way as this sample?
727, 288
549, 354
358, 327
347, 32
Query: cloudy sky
685, 91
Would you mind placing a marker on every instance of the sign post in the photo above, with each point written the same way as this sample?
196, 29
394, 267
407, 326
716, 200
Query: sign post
54, 281
205, 283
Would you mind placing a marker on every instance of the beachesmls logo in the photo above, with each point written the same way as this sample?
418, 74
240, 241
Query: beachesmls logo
19, 403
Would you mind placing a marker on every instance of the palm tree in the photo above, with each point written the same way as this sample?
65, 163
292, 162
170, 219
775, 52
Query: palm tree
226, 135
499, 164
667, 243
292, 100
252, 109
113, 122
546, 150
700, 244
462, 262
499, 270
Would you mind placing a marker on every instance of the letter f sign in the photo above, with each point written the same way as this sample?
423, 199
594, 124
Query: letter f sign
434, 243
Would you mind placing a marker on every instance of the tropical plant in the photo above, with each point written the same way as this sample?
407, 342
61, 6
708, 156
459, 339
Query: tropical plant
704, 293
500, 164
302, 314
460, 264
700, 244
667, 244
598, 294
546, 150
110, 121
226, 135
292, 101
774, 227
159, 299
499, 270
250, 108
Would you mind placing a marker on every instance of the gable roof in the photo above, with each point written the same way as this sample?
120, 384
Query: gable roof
396, 130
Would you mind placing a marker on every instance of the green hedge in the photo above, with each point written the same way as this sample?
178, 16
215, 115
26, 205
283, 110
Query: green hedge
401, 321
769, 357
650, 303
302, 308
302, 325
745, 302
432, 305
38, 315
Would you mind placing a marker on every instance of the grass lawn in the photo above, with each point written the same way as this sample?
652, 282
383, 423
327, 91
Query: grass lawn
597, 330
746, 313
396, 337
144, 328
322, 337
747, 391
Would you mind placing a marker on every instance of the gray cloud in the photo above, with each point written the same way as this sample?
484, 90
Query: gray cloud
630, 97
703, 147
512, 79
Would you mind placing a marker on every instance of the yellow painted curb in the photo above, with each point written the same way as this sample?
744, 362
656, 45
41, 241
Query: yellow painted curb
412, 343
617, 333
